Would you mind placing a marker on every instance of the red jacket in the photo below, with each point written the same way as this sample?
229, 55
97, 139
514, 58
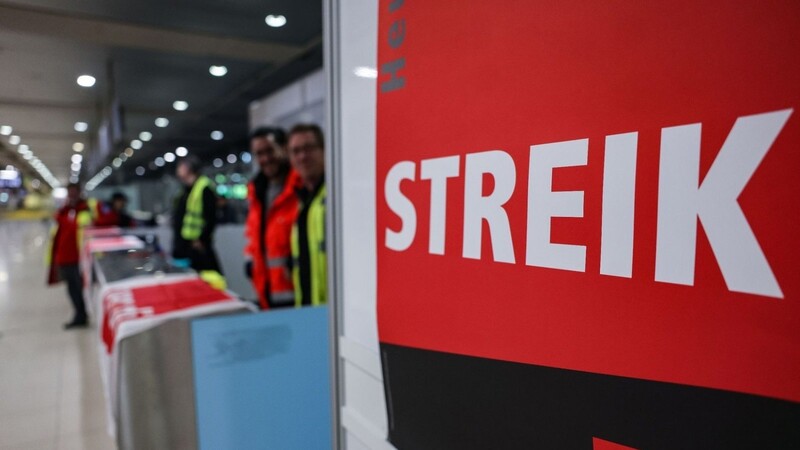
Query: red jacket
66, 237
271, 251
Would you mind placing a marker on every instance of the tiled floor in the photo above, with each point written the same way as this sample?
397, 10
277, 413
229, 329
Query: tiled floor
51, 394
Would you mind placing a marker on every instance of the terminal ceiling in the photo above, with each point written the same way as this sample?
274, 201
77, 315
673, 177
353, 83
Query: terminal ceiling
145, 55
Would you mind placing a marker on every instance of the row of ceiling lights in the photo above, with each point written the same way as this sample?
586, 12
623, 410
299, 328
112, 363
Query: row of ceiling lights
273, 20
27, 155
87, 81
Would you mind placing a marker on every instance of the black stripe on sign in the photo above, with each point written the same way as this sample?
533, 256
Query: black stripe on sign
444, 401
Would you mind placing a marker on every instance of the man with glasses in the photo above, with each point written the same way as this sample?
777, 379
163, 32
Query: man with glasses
309, 271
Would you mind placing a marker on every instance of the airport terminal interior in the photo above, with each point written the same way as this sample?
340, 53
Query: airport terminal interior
111, 96
388, 224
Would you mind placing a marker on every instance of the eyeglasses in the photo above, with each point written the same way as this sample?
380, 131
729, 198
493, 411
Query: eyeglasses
305, 148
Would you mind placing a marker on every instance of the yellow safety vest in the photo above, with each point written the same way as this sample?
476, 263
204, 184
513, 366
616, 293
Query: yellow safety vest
317, 256
193, 221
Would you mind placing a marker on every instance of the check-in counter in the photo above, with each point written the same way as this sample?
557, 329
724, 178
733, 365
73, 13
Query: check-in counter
143, 307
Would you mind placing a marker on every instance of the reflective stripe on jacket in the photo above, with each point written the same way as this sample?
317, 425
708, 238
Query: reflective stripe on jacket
272, 263
317, 255
193, 221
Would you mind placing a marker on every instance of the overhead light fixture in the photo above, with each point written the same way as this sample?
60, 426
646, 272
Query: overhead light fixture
218, 162
80, 127
78, 147
14, 139
181, 151
128, 152
5, 130
75, 166
169, 157
27, 156
145, 136
217, 135
159, 162
140, 170
123, 156
136, 144
246, 157
231, 158
275, 20
117, 162
76, 158
86, 81
23, 148
162, 122
218, 71
180, 105
366, 72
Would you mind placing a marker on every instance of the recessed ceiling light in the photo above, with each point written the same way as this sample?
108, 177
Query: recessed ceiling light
76, 158
366, 72
78, 146
159, 161
80, 127
217, 135
180, 105
23, 148
128, 152
27, 156
231, 158
14, 139
275, 20
123, 157
5, 130
181, 151
136, 144
117, 162
246, 157
140, 171
162, 122
218, 71
218, 162
75, 166
145, 136
169, 157
86, 81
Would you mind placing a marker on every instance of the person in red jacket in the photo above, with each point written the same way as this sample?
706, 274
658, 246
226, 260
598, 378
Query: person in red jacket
65, 250
273, 210
113, 212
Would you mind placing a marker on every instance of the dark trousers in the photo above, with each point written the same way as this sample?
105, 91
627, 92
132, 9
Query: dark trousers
72, 275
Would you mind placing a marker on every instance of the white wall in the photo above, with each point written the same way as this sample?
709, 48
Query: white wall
301, 101
363, 412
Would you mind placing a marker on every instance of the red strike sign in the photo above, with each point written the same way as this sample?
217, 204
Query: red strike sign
611, 190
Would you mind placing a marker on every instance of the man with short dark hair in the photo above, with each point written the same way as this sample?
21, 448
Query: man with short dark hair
307, 156
194, 218
273, 210
113, 213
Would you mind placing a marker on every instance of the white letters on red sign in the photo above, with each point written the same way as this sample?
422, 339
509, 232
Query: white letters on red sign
682, 200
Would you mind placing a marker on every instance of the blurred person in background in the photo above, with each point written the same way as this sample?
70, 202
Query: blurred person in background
307, 157
63, 256
113, 212
272, 211
194, 219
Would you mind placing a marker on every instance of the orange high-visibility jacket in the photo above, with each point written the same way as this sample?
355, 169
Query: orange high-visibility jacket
271, 251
